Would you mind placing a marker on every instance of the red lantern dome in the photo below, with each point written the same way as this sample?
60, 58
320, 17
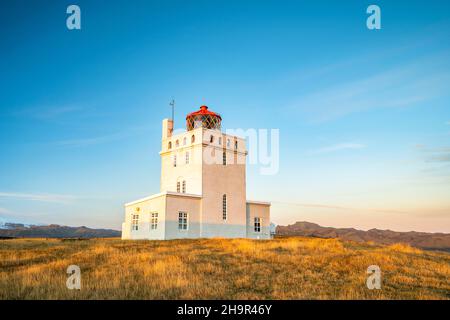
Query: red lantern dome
203, 118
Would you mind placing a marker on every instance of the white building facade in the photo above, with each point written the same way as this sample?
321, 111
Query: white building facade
202, 187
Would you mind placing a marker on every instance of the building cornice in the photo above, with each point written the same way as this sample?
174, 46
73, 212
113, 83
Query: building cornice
263, 203
166, 193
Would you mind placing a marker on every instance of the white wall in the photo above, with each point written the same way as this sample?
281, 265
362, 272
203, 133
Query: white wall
144, 209
261, 210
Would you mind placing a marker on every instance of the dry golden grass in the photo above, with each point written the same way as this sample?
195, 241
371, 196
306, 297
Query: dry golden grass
289, 268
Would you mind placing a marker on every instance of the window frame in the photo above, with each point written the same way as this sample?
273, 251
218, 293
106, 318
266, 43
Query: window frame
183, 221
257, 224
153, 221
134, 222
224, 208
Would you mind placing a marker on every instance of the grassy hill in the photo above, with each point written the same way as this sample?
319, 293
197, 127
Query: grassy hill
287, 268
17, 230
422, 240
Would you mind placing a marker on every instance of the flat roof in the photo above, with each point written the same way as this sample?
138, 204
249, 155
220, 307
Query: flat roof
167, 193
264, 203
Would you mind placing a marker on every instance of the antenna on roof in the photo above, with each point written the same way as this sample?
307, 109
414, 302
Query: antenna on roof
172, 104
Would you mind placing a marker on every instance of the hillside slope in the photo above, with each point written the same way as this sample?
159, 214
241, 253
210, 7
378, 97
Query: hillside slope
55, 231
423, 240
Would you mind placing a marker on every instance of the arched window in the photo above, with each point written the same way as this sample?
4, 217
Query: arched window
184, 186
193, 139
224, 158
228, 142
170, 145
211, 139
235, 145
224, 207
177, 143
184, 141
220, 141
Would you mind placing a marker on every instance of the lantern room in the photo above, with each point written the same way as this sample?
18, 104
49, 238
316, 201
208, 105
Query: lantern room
203, 118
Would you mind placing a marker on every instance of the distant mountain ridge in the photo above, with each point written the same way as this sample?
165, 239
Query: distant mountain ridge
423, 240
18, 230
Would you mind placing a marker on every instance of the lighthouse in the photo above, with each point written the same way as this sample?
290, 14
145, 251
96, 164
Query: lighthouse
202, 187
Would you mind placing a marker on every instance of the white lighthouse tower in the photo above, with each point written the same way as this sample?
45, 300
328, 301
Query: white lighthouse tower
202, 187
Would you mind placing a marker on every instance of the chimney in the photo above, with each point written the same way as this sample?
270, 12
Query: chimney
167, 128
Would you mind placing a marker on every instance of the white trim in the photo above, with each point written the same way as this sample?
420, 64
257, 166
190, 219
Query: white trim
166, 193
259, 202
188, 195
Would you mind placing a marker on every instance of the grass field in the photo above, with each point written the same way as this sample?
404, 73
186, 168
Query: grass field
290, 268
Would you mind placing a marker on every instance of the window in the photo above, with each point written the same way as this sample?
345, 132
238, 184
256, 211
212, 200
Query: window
228, 142
177, 143
187, 158
170, 145
174, 160
184, 186
178, 186
220, 140
257, 224
182, 220
224, 158
154, 221
135, 222
224, 207
211, 139
235, 145
184, 141
193, 139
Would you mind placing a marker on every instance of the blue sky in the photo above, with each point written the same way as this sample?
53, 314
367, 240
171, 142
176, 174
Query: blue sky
364, 115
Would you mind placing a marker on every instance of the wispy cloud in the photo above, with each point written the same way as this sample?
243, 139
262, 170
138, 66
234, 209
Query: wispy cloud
334, 207
47, 113
436, 154
83, 142
41, 197
418, 81
92, 141
4, 211
337, 147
